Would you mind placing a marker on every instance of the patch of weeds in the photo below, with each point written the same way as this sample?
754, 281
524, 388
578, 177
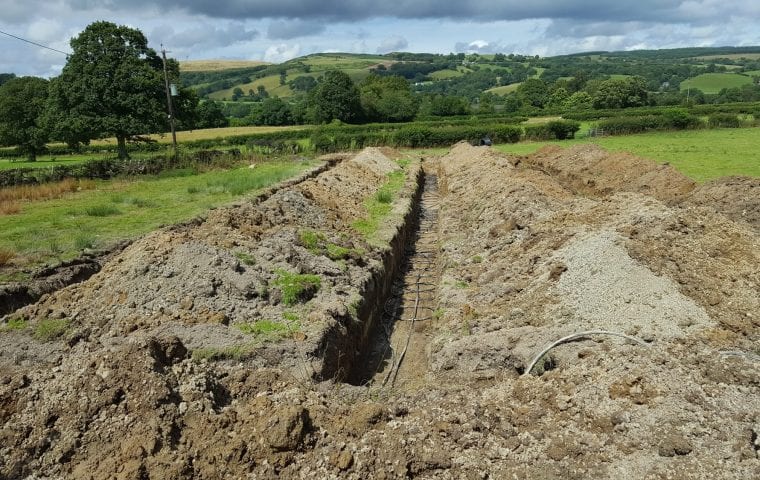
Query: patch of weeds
404, 162
438, 313
353, 306
6, 255
246, 258
292, 317
316, 243
379, 205
54, 247
461, 284
140, 202
295, 287
336, 252
50, 329
18, 323
312, 240
477, 259
193, 189
82, 242
234, 352
384, 196
102, 211
267, 330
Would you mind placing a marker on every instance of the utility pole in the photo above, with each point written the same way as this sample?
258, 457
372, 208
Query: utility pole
169, 101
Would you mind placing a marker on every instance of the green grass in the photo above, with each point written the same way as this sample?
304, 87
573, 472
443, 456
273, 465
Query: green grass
503, 90
295, 287
272, 331
102, 210
233, 352
14, 324
380, 205
48, 330
59, 229
699, 154
47, 161
445, 74
715, 82
246, 258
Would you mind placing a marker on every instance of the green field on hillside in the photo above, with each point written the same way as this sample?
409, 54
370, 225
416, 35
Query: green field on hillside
445, 74
715, 82
126, 208
504, 89
699, 154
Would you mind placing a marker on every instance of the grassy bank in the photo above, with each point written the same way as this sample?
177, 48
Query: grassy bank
61, 228
699, 154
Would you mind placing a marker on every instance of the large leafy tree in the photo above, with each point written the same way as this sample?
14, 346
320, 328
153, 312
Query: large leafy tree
621, 93
22, 103
112, 85
336, 97
388, 99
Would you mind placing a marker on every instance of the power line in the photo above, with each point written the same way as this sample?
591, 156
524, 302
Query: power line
33, 43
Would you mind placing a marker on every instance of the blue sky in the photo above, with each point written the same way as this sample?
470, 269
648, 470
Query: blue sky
277, 30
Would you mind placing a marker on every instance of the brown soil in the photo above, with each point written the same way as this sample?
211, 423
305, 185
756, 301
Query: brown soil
528, 250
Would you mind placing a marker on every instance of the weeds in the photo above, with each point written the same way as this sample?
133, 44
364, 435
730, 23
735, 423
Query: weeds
296, 288
9, 208
235, 352
82, 242
6, 255
18, 323
102, 211
246, 258
45, 191
48, 330
316, 243
379, 205
266, 330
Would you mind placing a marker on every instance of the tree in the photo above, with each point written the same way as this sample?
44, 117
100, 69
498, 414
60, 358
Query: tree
111, 85
579, 101
236, 94
621, 93
387, 99
4, 77
22, 104
274, 111
304, 83
336, 97
533, 92
211, 115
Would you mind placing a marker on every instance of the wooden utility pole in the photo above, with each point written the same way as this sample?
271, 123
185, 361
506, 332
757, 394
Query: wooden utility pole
169, 101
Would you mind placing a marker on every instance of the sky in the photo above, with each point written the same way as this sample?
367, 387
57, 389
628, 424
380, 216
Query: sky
278, 30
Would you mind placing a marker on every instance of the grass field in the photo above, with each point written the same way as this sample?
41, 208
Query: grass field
715, 82
445, 74
217, 65
47, 161
699, 154
503, 90
732, 56
61, 228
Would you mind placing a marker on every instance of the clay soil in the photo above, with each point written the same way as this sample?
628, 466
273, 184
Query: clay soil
153, 376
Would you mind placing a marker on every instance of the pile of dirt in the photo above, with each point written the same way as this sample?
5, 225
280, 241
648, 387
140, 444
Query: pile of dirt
589, 169
576, 240
736, 197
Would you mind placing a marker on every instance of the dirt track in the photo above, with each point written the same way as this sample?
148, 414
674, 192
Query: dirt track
530, 249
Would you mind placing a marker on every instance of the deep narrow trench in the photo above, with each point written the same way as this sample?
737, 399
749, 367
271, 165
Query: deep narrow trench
396, 352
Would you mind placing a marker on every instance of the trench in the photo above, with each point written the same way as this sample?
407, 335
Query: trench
395, 353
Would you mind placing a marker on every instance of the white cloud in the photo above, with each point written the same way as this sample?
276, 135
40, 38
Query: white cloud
282, 52
394, 43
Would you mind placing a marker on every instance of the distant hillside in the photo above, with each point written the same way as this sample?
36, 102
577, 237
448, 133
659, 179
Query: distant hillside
216, 65
707, 69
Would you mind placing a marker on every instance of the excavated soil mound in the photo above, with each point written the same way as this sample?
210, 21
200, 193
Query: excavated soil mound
589, 169
736, 197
